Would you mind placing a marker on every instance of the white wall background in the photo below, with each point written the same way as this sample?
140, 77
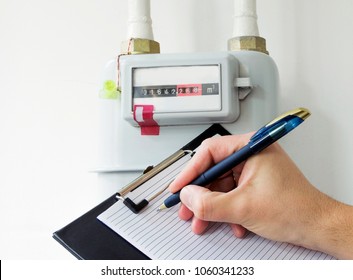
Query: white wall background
51, 57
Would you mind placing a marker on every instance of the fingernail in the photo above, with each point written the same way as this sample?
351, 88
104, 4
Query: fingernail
186, 196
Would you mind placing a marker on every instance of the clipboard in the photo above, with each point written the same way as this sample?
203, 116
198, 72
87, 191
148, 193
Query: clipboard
89, 239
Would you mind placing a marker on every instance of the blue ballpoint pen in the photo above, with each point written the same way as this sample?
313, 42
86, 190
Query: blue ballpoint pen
263, 138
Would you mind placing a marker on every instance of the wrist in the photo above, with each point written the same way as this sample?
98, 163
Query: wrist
339, 232
332, 229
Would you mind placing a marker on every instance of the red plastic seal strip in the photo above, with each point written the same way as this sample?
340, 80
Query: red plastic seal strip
143, 115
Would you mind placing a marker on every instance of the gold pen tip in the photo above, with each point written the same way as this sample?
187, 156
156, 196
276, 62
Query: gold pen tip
303, 113
162, 207
300, 112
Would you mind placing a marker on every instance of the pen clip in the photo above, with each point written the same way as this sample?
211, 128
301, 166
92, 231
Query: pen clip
263, 131
300, 113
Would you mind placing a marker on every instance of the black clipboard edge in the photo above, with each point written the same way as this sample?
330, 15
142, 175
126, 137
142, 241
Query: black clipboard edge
209, 132
87, 238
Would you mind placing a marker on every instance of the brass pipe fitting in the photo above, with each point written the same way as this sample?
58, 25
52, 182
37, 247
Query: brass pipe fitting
139, 46
248, 43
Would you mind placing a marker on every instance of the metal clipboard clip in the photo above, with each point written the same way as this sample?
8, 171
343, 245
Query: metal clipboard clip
147, 175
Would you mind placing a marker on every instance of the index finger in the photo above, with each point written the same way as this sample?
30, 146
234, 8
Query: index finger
211, 151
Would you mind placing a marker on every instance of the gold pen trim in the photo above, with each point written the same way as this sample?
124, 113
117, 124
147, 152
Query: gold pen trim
302, 113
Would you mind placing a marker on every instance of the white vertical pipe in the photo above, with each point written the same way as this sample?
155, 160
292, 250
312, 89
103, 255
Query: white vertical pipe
245, 18
140, 22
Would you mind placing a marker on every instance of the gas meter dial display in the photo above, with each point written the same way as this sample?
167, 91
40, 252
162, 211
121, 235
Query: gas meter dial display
178, 88
181, 89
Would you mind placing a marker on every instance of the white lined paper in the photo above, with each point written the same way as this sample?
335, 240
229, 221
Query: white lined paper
162, 235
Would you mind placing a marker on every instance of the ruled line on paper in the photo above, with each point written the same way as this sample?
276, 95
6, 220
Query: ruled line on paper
162, 235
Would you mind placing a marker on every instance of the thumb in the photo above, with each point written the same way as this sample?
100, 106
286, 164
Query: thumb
207, 205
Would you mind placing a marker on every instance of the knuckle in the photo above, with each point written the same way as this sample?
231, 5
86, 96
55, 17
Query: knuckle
206, 143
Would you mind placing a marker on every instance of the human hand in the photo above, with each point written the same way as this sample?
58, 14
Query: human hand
267, 194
